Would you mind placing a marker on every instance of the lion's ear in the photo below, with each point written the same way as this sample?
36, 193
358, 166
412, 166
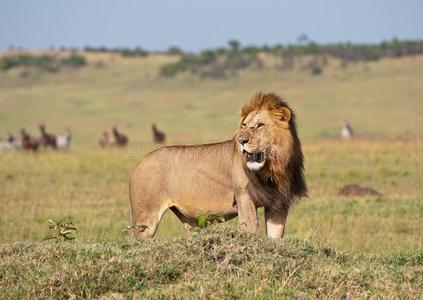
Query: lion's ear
285, 114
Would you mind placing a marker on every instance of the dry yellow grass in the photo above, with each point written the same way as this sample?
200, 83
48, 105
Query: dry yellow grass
381, 99
89, 187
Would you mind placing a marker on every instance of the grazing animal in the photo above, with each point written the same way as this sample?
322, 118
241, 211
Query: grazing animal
64, 139
159, 137
14, 142
9, 143
47, 139
346, 130
261, 166
120, 139
9, 138
28, 142
6, 143
105, 140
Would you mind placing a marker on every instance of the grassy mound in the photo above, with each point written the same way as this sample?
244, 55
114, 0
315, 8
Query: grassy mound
214, 263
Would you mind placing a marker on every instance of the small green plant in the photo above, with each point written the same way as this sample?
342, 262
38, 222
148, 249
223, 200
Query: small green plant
61, 231
205, 221
139, 227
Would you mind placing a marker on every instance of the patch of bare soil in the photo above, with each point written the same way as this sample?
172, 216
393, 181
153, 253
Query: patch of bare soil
356, 190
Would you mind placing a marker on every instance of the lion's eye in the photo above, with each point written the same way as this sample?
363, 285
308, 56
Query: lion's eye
260, 125
243, 125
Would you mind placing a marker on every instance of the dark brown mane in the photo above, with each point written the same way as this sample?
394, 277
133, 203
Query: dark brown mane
285, 174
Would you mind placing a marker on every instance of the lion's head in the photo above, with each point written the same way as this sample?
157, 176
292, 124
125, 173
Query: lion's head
269, 144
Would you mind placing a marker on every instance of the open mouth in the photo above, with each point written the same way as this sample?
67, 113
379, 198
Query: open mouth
255, 157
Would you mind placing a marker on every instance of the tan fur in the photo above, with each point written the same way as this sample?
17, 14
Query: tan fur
216, 178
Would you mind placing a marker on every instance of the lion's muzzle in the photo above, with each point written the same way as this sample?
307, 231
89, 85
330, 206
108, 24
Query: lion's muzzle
255, 157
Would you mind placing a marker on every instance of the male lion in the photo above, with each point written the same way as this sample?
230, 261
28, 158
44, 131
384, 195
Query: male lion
262, 166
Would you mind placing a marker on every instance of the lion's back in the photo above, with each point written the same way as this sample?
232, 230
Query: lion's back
197, 169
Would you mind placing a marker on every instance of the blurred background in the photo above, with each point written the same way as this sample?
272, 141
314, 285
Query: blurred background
97, 75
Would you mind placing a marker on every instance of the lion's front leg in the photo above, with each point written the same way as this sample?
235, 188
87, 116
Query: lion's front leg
247, 213
275, 222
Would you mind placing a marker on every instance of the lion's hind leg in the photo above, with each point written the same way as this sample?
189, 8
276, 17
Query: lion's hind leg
146, 222
146, 211
186, 221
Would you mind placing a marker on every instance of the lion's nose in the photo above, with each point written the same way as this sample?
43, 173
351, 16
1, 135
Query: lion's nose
243, 140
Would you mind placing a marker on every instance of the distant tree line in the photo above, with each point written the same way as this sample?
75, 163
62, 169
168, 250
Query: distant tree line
50, 63
132, 52
217, 63
125, 52
225, 61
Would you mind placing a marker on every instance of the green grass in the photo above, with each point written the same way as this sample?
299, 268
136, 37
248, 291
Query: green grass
212, 264
336, 246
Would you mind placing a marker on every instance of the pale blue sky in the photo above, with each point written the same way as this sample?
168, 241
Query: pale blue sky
196, 24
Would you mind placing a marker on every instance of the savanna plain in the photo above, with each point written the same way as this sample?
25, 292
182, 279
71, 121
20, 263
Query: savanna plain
335, 246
